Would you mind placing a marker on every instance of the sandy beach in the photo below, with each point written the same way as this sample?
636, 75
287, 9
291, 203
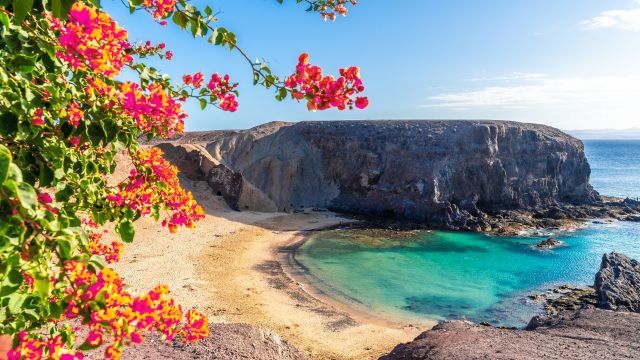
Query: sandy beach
231, 268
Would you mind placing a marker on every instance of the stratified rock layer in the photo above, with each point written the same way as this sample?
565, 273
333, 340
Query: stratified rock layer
441, 173
618, 283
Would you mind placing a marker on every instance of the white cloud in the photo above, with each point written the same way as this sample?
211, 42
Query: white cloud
512, 76
618, 19
563, 91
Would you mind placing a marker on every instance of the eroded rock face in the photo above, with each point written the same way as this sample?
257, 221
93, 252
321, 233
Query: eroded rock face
618, 283
441, 173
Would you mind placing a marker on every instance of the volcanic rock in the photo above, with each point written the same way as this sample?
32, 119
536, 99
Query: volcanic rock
618, 283
549, 243
464, 175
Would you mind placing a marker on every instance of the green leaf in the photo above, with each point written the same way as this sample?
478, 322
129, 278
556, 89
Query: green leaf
27, 195
15, 302
203, 104
41, 284
5, 160
126, 230
21, 9
86, 346
4, 19
61, 8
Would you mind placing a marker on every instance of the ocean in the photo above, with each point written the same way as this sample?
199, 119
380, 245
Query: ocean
437, 275
615, 166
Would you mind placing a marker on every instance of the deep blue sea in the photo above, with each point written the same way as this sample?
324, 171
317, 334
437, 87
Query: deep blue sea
615, 166
436, 275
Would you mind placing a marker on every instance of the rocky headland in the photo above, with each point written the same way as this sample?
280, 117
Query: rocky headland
593, 331
495, 176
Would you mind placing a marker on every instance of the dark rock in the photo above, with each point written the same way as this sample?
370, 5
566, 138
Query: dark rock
585, 334
464, 175
225, 342
549, 243
617, 283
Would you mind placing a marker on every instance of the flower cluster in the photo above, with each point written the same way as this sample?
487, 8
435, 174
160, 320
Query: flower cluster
91, 38
148, 49
154, 111
194, 80
220, 89
115, 317
74, 114
31, 347
45, 199
37, 118
155, 181
111, 252
330, 8
324, 92
159, 9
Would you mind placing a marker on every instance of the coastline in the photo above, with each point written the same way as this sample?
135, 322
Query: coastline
253, 286
233, 268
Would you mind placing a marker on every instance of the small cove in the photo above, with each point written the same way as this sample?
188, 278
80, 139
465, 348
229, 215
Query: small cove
437, 275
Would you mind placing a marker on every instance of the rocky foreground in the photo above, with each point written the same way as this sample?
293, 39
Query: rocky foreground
588, 333
457, 175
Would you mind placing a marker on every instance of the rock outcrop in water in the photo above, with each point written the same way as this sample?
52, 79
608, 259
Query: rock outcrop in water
588, 333
467, 175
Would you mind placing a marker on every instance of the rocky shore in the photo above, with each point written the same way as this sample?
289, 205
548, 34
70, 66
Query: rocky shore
493, 176
593, 331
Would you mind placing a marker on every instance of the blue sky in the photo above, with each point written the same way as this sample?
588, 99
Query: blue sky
572, 64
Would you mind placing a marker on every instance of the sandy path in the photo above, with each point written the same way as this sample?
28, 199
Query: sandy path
228, 268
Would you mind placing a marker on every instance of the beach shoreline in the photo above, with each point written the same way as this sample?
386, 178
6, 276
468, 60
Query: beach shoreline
258, 286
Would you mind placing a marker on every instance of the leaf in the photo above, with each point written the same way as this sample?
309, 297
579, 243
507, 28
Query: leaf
4, 19
5, 160
15, 302
41, 284
21, 9
203, 104
26, 195
61, 8
126, 230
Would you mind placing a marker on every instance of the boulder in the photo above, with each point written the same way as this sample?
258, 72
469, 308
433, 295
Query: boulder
549, 243
617, 283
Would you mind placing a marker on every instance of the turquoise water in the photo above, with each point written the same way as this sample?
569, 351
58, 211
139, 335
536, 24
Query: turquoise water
446, 275
615, 166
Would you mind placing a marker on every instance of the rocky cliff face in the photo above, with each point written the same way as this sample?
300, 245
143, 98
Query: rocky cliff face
441, 173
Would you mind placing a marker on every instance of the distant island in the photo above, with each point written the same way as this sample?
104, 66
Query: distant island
606, 134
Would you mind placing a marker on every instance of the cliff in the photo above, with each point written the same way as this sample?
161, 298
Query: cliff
451, 174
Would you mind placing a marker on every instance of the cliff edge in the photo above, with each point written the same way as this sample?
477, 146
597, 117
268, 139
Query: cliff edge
446, 174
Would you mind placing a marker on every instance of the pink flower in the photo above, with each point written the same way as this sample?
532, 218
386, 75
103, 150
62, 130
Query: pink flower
75, 141
198, 78
44, 198
362, 102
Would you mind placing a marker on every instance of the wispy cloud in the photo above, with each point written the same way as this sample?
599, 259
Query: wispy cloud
606, 90
628, 20
511, 77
